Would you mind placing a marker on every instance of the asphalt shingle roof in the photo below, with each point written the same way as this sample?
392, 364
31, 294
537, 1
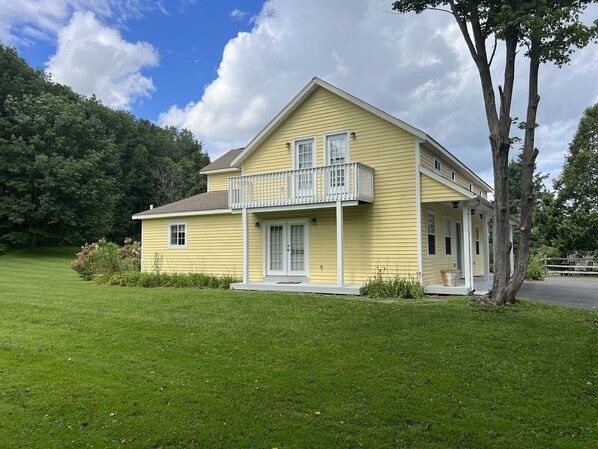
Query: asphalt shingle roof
223, 161
202, 202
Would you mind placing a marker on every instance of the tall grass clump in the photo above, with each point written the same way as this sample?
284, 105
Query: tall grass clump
535, 269
384, 285
180, 280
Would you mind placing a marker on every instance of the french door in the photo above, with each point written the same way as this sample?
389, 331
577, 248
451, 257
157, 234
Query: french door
286, 248
337, 154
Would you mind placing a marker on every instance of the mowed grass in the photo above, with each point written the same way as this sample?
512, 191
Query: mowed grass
83, 365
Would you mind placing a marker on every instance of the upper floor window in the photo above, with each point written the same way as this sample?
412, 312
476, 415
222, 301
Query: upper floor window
453, 176
470, 187
431, 233
177, 235
481, 192
437, 165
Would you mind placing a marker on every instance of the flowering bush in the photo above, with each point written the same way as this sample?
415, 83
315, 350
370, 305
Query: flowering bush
104, 257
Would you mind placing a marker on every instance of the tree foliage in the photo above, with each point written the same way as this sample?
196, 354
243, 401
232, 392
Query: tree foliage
73, 170
577, 190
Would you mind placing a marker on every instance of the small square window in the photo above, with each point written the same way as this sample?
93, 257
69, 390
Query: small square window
177, 235
436, 165
453, 176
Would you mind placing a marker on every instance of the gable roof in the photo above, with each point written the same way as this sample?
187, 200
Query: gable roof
223, 162
318, 83
210, 201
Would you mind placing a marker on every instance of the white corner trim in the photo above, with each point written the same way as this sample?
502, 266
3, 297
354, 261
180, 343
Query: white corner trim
182, 214
418, 208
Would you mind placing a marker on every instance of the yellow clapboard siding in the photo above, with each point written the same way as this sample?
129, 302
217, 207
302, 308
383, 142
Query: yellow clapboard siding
434, 191
375, 234
214, 245
446, 167
219, 181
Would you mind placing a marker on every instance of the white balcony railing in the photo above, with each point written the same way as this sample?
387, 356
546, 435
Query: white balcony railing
343, 182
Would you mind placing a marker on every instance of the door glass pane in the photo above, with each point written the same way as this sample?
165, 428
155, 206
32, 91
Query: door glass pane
304, 161
276, 249
337, 154
297, 247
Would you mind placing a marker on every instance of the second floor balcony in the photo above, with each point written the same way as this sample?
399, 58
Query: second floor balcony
328, 184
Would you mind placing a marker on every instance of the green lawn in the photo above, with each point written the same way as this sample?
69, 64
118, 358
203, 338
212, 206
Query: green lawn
83, 365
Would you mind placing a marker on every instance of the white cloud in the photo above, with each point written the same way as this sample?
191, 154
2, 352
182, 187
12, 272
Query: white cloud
414, 67
238, 14
95, 59
23, 21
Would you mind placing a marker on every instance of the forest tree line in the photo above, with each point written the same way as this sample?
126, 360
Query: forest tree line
73, 170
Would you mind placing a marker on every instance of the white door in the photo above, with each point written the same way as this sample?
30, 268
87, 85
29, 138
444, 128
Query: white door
337, 153
304, 159
286, 248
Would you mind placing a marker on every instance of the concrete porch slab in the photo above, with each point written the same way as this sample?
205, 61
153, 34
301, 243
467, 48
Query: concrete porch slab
302, 287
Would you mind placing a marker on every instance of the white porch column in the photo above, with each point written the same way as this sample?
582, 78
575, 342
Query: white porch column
245, 246
340, 266
467, 247
486, 249
512, 254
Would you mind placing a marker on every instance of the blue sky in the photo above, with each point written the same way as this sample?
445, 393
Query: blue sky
223, 69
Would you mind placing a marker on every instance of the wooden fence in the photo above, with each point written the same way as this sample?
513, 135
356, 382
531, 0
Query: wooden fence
570, 266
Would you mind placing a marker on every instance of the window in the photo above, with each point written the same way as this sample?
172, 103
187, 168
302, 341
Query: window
177, 235
447, 236
481, 192
436, 165
477, 240
431, 233
453, 176
470, 187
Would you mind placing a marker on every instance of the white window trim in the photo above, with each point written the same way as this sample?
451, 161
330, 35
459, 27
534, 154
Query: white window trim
435, 234
178, 223
348, 147
450, 235
470, 187
454, 176
314, 152
439, 169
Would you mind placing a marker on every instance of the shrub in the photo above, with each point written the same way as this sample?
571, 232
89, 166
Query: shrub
3, 249
177, 280
382, 285
106, 258
535, 269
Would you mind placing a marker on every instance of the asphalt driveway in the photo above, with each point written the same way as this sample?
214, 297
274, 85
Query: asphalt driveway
563, 290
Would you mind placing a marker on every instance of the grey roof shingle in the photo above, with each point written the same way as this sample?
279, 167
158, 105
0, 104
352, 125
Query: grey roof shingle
202, 202
223, 161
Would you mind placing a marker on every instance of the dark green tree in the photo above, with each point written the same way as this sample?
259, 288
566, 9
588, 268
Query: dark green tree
577, 190
543, 31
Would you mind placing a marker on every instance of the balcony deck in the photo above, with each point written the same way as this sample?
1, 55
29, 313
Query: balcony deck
352, 182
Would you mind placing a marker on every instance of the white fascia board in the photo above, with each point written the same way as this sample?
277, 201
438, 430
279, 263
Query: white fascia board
457, 188
220, 170
182, 214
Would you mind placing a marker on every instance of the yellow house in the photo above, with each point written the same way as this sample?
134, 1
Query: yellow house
330, 191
